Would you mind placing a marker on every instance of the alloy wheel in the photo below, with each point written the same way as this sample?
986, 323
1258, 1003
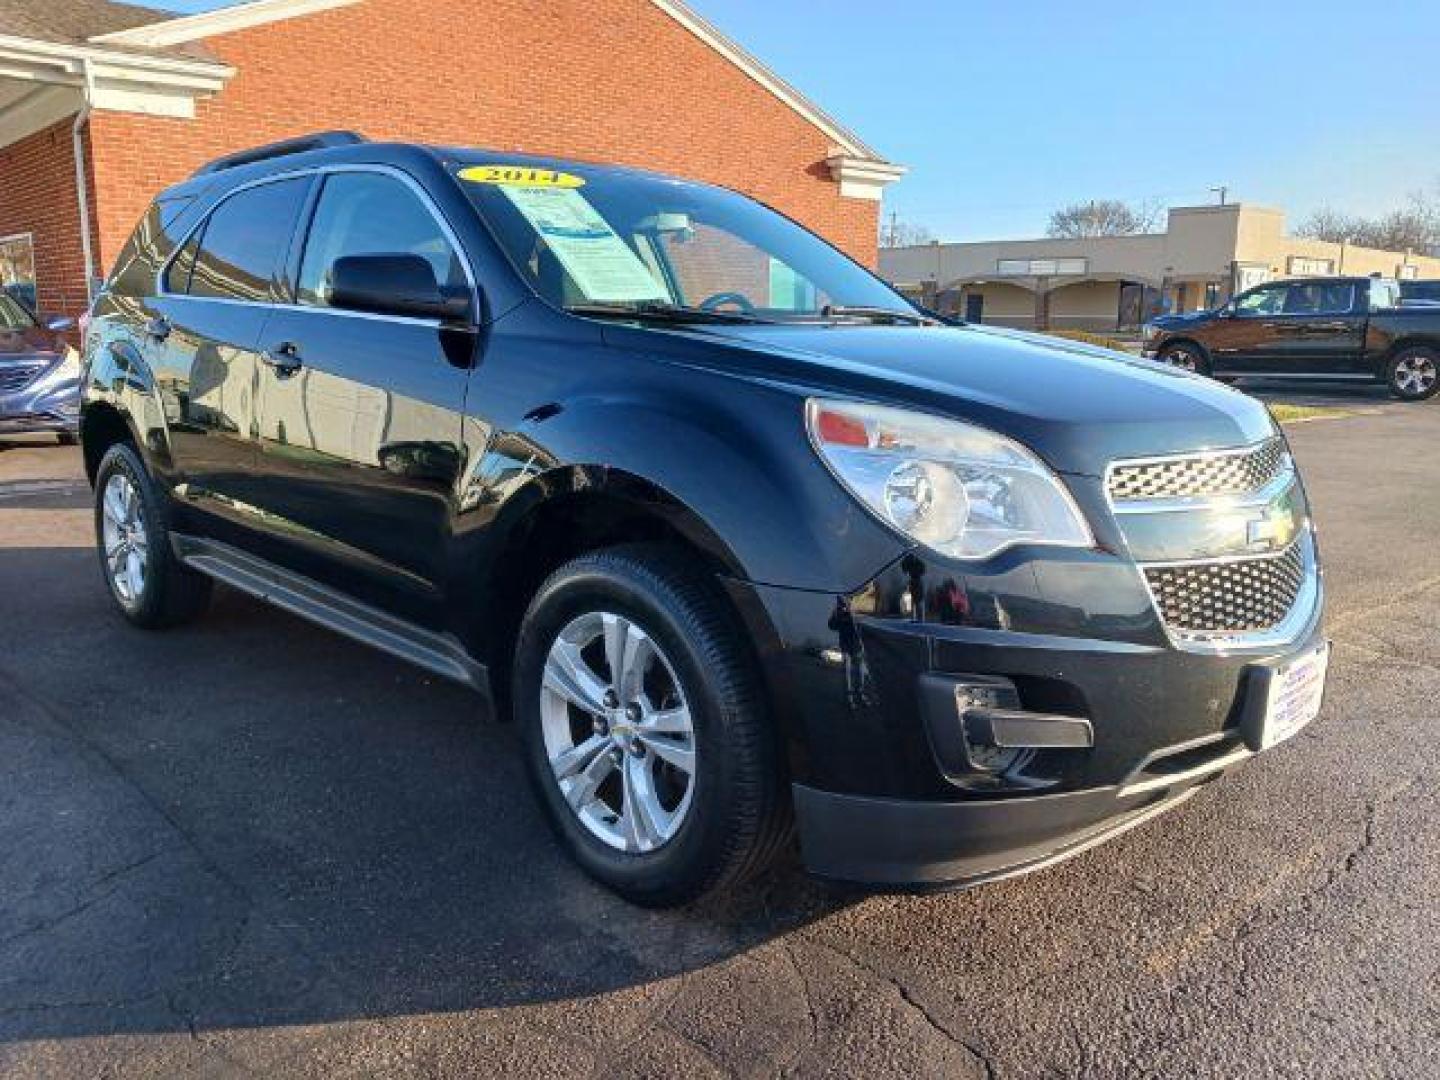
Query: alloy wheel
1183, 359
127, 546
1415, 374
618, 732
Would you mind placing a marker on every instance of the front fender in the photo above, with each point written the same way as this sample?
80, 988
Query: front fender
740, 469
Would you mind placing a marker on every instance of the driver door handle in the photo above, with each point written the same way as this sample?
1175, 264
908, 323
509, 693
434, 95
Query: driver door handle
283, 358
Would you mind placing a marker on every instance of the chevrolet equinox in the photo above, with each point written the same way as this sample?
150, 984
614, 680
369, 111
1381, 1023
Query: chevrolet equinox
747, 545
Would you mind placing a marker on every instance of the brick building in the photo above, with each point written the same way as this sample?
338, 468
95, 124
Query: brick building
102, 104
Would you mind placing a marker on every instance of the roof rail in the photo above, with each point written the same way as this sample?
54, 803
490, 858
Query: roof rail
319, 141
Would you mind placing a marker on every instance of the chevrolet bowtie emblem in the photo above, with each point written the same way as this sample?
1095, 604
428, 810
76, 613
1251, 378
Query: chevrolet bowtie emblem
1274, 529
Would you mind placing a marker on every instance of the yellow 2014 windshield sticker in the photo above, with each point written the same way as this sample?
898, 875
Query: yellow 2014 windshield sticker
520, 176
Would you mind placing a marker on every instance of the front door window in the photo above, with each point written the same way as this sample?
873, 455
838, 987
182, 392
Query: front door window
1261, 302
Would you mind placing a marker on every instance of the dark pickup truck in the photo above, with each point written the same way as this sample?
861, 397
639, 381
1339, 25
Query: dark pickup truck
1316, 328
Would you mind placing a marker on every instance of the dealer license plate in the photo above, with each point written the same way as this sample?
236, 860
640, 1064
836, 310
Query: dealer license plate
1296, 691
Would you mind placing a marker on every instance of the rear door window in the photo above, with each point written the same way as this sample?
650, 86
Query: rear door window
240, 252
1337, 298
1302, 300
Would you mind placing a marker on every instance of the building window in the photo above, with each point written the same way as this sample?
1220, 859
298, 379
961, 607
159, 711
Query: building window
1041, 267
1247, 277
1407, 272
17, 268
1303, 266
1212, 295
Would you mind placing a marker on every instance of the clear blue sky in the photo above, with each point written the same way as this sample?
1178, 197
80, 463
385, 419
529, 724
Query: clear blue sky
1004, 109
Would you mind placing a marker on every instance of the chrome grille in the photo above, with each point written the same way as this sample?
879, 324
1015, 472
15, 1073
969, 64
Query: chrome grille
1233, 596
1234, 472
18, 376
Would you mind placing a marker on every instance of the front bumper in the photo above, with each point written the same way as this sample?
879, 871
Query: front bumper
919, 845
880, 794
49, 403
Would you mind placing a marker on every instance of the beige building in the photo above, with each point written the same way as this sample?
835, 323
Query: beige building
1205, 255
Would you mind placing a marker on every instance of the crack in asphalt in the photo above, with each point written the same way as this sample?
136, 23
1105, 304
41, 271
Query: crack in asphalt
222, 957
114, 878
808, 996
923, 1011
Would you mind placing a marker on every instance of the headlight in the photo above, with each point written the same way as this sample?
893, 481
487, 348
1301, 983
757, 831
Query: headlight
69, 367
1149, 332
958, 489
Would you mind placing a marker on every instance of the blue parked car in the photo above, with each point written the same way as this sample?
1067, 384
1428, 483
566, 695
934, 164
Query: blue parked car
39, 374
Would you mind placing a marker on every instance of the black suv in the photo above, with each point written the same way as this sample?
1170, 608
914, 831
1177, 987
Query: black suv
741, 539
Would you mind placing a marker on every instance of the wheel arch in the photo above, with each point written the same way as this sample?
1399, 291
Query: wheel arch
1409, 341
119, 402
575, 509
102, 425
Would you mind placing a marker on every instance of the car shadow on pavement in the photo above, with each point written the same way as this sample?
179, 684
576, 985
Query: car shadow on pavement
252, 822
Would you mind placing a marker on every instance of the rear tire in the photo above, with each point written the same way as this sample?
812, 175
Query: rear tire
1413, 373
149, 585
612, 641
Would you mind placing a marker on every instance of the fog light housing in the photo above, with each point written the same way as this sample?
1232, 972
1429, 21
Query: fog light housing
992, 693
983, 737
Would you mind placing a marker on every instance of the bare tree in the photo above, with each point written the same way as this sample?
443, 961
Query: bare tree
1330, 225
896, 232
1102, 217
1414, 227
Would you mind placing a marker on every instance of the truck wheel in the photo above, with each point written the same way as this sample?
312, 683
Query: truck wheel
149, 584
1414, 373
645, 727
1185, 356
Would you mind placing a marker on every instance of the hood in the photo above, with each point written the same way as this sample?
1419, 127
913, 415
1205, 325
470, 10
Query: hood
31, 343
1077, 406
1189, 318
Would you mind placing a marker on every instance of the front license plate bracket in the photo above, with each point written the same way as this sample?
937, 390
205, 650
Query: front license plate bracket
1283, 698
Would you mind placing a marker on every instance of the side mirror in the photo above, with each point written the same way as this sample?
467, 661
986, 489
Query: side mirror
1225, 311
60, 323
402, 285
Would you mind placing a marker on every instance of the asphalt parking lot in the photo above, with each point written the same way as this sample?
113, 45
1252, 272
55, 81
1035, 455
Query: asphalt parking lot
251, 846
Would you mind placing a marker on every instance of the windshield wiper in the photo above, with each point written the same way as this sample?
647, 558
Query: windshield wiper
658, 309
862, 311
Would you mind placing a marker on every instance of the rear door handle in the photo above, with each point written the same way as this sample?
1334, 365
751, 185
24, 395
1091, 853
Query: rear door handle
158, 328
284, 358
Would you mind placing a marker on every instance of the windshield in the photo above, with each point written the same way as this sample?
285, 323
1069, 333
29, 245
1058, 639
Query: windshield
13, 315
587, 237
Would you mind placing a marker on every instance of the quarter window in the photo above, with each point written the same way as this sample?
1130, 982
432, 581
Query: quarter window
242, 245
362, 213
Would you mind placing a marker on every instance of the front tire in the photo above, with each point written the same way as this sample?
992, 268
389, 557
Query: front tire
1413, 373
645, 729
1185, 356
149, 585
